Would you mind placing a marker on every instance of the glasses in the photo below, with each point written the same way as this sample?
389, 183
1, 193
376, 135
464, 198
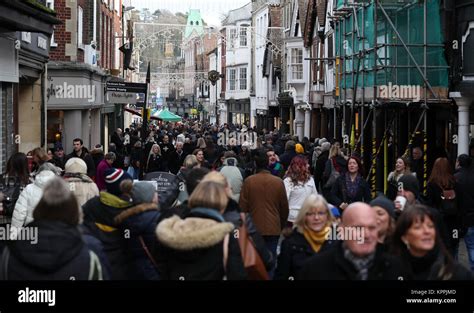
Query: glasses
320, 214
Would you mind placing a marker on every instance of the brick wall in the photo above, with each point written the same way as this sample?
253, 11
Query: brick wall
61, 37
109, 24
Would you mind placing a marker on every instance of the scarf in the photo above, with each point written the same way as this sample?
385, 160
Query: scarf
316, 239
362, 265
352, 186
275, 168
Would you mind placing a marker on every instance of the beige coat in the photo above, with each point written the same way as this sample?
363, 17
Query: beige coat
83, 188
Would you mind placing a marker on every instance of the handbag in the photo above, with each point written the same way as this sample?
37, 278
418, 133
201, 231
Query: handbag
448, 203
10, 187
252, 261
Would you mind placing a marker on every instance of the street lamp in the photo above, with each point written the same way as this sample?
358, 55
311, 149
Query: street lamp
124, 9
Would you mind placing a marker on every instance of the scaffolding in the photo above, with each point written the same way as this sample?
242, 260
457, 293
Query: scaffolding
381, 46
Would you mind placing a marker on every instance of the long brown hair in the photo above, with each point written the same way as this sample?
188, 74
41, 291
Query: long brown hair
441, 174
298, 170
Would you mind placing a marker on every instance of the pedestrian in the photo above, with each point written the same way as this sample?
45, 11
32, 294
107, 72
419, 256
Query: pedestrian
441, 195
274, 165
417, 241
118, 140
402, 167
321, 161
60, 251
99, 220
15, 179
385, 214
140, 221
104, 165
29, 198
299, 184
234, 174
289, 154
357, 256
351, 186
59, 157
465, 180
135, 160
81, 185
200, 246
119, 158
267, 206
155, 160
177, 158
335, 166
80, 151
200, 158
97, 154
310, 235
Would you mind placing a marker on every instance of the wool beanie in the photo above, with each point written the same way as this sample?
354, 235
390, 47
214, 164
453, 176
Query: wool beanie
384, 203
143, 192
299, 148
410, 183
75, 165
113, 178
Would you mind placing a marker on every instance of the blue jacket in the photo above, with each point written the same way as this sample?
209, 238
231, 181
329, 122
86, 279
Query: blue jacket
138, 225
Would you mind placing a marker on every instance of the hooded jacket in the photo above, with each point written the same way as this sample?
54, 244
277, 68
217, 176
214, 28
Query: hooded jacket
140, 221
235, 175
28, 199
193, 248
60, 253
99, 220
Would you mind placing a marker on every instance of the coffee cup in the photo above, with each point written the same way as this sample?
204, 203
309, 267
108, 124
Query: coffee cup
402, 200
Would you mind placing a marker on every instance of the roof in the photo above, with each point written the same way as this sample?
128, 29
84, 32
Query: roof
194, 23
242, 13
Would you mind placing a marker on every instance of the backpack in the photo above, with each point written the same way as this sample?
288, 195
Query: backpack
11, 188
448, 206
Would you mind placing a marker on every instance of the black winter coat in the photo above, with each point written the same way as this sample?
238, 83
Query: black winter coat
465, 195
154, 164
232, 214
285, 158
86, 157
99, 220
332, 265
295, 251
196, 252
60, 253
339, 194
139, 224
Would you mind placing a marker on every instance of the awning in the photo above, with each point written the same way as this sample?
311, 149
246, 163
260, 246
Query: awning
139, 113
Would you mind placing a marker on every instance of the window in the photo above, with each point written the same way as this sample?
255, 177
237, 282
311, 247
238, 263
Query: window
50, 5
79, 26
232, 79
232, 37
243, 36
296, 63
243, 78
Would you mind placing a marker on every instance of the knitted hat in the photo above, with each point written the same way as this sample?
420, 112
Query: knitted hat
113, 178
75, 165
143, 192
384, 203
299, 148
325, 146
410, 183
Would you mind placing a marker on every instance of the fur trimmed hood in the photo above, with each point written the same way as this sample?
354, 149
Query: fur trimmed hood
192, 232
134, 211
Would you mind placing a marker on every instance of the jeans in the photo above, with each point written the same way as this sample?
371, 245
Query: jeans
271, 242
469, 240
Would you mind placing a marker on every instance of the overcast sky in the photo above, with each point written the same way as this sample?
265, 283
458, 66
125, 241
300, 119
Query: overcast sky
211, 10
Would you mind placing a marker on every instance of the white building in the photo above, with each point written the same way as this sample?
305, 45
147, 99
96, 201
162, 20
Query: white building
238, 54
297, 72
266, 63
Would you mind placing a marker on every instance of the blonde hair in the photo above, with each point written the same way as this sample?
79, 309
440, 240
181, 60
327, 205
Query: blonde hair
201, 143
334, 151
151, 150
216, 177
312, 201
210, 195
40, 154
190, 161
